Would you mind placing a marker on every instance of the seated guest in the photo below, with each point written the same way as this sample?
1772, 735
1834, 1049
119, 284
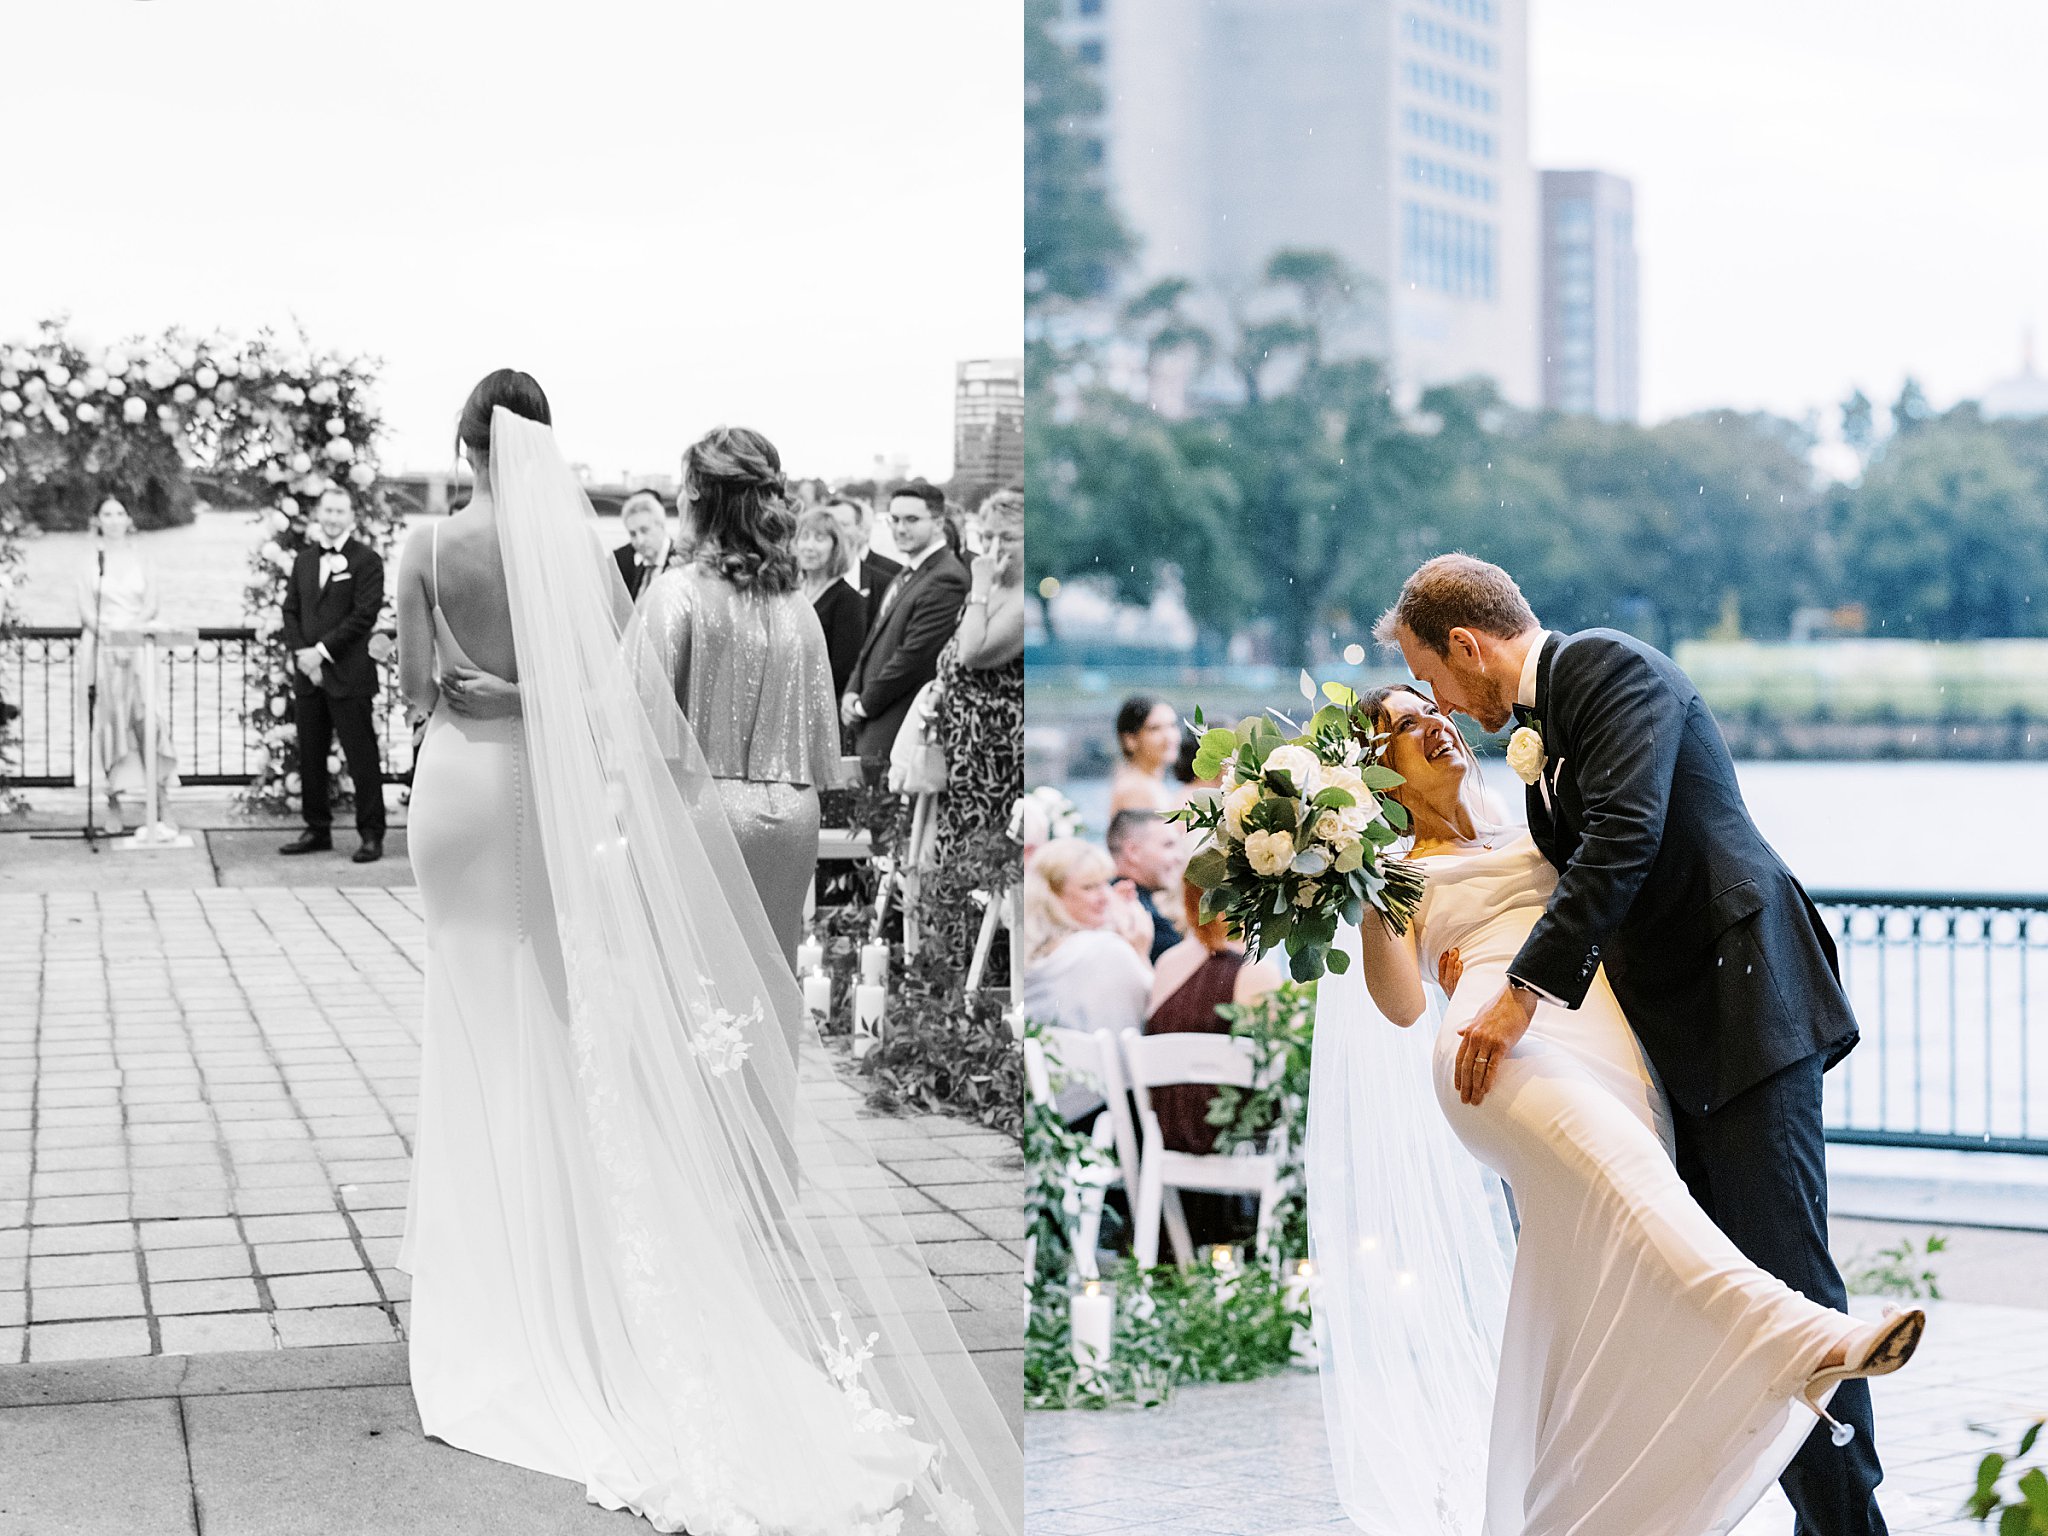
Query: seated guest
1084, 942
824, 557
871, 573
1190, 982
1150, 852
648, 549
1147, 737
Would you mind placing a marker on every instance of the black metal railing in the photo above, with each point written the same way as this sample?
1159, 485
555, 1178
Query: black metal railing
205, 700
1943, 987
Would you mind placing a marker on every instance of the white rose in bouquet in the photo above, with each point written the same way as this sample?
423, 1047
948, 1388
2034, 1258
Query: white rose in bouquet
1270, 852
1298, 763
206, 377
340, 449
133, 409
1236, 805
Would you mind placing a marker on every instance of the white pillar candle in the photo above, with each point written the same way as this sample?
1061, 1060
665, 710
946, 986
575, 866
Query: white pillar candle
1299, 1290
818, 995
1223, 1260
1093, 1311
874, 962
810, 954
868, 1003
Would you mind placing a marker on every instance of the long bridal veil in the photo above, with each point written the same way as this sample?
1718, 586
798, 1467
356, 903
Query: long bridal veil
759, 1250
1413, 1249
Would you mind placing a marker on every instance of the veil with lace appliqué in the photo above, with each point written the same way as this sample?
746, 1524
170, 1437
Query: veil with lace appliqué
680, 1007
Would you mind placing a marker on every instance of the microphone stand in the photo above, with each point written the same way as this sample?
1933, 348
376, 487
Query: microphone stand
90, 833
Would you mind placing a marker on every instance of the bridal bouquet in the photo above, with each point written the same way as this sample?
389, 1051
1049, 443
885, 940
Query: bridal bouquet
1296, 837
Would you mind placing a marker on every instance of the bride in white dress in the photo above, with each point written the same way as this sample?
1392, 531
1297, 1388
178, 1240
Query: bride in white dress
645, 1255
1636, 1375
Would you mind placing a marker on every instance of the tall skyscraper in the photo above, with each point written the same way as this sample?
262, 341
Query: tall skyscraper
1590, 345
1392, 132
988, 421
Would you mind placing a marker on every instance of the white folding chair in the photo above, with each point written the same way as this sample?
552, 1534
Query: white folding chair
1090, 1057
839, 845
1157, 1061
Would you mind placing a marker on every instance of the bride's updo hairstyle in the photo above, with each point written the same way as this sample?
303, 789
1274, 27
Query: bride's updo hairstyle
518, 392
740, 517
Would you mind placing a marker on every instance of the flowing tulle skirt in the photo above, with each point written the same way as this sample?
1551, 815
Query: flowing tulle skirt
522, 1344
1647, 1368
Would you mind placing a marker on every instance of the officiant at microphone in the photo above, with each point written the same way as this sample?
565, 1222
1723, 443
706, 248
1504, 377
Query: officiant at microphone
331, 605
117, 591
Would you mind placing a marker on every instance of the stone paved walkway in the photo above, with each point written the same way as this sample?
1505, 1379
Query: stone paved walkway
206, 1110
1251, 1459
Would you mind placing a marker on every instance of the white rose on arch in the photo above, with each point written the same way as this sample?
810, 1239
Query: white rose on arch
184, 394
206, 377
340, 449
87, 413
362, 474
117, 385
58, 375
133, 409
10, 402
96, 378
336, 426
159, 374
301, 463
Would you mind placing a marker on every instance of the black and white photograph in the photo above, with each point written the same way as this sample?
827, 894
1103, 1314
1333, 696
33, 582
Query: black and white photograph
511, 710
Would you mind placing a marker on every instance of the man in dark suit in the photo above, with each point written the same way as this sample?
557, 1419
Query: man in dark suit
648, 548
1150, 853
331, 603
871, 572
1724, 967
916, 616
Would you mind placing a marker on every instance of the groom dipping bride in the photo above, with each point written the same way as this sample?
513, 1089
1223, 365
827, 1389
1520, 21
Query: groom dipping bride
1644, 1000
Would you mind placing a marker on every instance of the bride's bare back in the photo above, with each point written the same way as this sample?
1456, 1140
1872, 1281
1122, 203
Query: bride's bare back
469, 585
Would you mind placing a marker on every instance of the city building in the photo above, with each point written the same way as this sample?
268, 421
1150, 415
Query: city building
2024, 396
1391, 132
1590, 344
988, 421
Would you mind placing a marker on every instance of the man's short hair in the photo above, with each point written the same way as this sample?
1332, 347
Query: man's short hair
336, 490
1456, 591
1124, 826
860, 509
924, 491
643, 501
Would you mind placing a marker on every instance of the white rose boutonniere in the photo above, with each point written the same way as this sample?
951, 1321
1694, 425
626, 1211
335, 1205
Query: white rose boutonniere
1525, 753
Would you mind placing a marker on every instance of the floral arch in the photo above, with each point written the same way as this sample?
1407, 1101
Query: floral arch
273, 424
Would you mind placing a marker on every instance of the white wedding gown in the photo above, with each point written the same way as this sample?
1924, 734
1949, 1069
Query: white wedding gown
646, 1254
1647, 1370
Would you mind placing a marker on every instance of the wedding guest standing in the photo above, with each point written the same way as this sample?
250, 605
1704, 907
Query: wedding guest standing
117, 590
980, 715
749, 665
331, 604
871, 572
1147, 738
824, 557
911, 626
648, 549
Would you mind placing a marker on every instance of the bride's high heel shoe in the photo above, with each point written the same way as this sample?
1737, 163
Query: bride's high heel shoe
1877, 1351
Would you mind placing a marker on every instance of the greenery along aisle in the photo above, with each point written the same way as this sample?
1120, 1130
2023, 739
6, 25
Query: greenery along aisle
275, 425
1171, 1327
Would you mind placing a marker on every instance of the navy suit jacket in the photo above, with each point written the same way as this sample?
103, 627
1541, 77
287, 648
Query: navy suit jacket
1721, 961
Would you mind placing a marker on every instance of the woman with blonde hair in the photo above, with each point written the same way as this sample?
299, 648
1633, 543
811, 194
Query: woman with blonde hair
1085, 941
824, 561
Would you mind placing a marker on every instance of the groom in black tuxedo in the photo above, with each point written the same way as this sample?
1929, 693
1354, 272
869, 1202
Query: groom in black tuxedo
1724, 967
331, 604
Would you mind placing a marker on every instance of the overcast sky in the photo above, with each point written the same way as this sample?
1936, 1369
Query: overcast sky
791, 214
1828, 192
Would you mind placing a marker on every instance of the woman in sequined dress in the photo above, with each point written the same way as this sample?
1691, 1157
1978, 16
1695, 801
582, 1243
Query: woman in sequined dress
749, 661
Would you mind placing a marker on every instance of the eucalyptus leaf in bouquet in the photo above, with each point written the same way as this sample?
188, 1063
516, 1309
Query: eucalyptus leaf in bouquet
1296, 840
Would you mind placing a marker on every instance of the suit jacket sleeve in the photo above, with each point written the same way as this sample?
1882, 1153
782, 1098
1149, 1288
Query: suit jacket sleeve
365, 603
1621, 725
294, 625
912, 661
843, 616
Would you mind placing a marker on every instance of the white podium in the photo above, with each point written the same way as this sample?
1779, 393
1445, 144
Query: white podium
150, 638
